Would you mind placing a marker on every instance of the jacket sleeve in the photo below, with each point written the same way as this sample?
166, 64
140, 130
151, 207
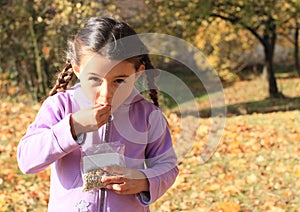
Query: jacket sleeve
47, 139
161, 161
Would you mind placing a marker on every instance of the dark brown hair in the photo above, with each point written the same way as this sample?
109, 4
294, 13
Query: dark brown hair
105, 36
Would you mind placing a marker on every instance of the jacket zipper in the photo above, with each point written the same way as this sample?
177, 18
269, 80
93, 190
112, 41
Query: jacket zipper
102, 199
106, 140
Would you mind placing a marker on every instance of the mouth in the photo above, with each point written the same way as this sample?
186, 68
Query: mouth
107, 105
104, 103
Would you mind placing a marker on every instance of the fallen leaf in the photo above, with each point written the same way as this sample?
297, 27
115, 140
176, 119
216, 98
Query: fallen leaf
228, 207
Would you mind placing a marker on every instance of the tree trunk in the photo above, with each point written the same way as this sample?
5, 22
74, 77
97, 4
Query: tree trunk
269, 39
296, 48
39, 85
270, 75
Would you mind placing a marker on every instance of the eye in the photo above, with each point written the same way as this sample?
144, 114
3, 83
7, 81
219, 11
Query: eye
119, 81
95, 79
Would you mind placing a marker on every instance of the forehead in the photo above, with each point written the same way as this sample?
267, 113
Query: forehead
100, 65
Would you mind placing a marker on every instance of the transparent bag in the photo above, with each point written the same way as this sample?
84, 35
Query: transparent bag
95, 158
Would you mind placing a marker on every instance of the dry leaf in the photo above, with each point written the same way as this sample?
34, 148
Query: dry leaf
228, 207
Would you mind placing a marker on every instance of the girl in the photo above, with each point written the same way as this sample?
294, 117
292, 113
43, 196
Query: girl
107, 57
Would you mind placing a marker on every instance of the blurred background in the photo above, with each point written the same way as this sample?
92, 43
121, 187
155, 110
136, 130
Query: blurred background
241, 39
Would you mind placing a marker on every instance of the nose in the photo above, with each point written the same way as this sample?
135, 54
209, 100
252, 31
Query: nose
106, 93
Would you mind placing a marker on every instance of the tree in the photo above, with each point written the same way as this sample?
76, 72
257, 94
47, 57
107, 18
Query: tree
34, 38
292, 28
261, 18
223, 46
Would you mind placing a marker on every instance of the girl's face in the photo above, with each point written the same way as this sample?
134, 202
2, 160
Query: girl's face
104, 81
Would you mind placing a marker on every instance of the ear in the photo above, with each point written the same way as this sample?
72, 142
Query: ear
76, 69
140, 71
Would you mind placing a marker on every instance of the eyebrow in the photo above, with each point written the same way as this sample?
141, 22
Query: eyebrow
92, 73
122, 75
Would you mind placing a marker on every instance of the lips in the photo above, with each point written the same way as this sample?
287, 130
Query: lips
103, 102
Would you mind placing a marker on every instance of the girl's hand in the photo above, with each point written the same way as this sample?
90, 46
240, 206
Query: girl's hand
128, 181
91, 119
88, 120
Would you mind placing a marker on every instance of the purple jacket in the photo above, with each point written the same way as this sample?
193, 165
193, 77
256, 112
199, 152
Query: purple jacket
136, 123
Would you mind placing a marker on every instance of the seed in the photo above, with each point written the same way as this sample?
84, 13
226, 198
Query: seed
92, 179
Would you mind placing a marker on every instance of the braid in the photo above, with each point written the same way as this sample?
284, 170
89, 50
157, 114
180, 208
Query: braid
151, 75
63, 79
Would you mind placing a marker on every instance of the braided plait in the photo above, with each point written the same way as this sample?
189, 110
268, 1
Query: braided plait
151, 74
63, 79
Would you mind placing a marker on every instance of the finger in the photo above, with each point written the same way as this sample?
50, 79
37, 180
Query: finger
118, 188
102, 120
121, 188
101, 114
101, 123
100, 107
101, 110
113, 179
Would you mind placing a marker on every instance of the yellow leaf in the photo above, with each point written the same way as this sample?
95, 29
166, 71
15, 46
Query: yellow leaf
251, 179
202, 131
228, 207
232, 190
212, 187
3, 205
297, 170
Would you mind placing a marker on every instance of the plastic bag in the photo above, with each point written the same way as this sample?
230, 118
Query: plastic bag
95, 158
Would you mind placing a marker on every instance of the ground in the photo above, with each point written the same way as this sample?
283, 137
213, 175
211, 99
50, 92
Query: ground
255, 168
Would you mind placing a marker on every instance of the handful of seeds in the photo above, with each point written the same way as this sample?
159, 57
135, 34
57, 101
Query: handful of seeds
92, 179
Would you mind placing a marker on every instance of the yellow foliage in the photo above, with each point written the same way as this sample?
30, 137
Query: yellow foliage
223, 45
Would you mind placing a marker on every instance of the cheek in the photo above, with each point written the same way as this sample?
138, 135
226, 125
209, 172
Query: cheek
122, 93
88, 90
